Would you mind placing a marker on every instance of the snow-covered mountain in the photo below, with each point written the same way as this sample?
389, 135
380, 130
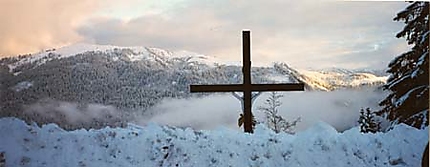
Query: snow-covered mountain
314, 79
131, 53
135, 79
153, 145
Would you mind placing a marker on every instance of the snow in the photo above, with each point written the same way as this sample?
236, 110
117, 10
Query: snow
418, 116
62, 52
406, 96
22, 86
154, 145
424, 117
327, 79
416, 72
139, 53
195, 57
279, 78
17, 73
115, 58
422, 58
424, 37
396, 81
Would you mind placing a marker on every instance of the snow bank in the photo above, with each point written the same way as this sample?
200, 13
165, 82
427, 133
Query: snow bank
153, 145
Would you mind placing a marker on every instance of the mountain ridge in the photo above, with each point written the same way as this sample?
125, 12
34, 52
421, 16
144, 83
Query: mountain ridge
136, 79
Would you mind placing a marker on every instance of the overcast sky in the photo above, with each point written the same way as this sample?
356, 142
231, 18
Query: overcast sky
304, 34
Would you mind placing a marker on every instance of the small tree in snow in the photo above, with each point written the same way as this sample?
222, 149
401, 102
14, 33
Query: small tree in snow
367, 122
273, 120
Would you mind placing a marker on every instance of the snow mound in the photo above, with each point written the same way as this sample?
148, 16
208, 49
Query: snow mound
153, 145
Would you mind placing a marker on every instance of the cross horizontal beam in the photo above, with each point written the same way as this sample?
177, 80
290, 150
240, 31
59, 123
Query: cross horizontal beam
217, 88
242, 87
278, 87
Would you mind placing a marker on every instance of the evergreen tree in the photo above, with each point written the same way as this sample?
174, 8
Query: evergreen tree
273, 120
367, 122
409, 80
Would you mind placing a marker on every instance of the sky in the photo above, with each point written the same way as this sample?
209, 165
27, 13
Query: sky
304, 34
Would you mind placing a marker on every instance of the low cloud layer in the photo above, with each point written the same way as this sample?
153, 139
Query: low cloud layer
73, 115
339, 108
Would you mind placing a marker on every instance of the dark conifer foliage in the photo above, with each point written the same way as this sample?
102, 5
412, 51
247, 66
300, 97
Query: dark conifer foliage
368, 123
409, 81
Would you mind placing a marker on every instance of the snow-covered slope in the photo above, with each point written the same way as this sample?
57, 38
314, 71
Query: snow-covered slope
154, 145
330, 79
325, 80
136, 54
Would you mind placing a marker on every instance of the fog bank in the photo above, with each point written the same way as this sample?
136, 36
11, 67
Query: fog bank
339, 108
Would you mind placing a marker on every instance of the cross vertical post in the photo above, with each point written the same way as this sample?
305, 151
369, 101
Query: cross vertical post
246, 68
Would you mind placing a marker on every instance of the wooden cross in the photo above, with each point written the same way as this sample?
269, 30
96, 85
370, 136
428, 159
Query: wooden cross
247, 87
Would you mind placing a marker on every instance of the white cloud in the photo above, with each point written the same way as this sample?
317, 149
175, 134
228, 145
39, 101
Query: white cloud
281, 30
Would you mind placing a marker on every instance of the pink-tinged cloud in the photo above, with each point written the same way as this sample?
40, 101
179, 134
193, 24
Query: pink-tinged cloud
29, 26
